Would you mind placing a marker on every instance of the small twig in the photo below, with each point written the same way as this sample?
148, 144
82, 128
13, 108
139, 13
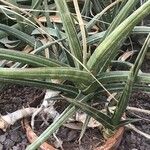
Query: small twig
10, 119
47, 103
58, 142
135, 109
7, 120
132, 127
35, 114
139, 110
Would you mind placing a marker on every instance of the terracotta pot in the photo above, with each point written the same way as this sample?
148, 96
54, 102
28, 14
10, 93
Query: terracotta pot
111, 143
31, 136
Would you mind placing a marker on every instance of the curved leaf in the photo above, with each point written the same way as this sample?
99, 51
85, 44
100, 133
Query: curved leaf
31, 59
42, 84
20, 35
91, 111
117, 76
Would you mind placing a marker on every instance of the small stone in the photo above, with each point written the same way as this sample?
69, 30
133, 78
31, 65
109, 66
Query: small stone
142, 148
133, 146
8, 143
72, 135
2, 138
15, 148
20, 146
1, 146
15, 137
133, 138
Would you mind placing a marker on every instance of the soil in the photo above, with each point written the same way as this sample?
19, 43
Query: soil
14, 97
131, 140
15, 138
90, 141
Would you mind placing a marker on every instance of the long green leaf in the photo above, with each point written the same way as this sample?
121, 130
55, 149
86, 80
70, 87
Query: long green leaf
98, 36
70, 30
115, 77
66, 73
4, 34
123, 14
42, 84
123, 101
31, 59
118, 87
109, 45
96, 114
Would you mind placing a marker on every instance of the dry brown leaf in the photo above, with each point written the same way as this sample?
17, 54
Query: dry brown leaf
57, 19
27, 49
126, 55
81, 117
74, 125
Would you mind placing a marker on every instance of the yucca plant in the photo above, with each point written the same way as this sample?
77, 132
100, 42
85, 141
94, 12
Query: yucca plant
67, 55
